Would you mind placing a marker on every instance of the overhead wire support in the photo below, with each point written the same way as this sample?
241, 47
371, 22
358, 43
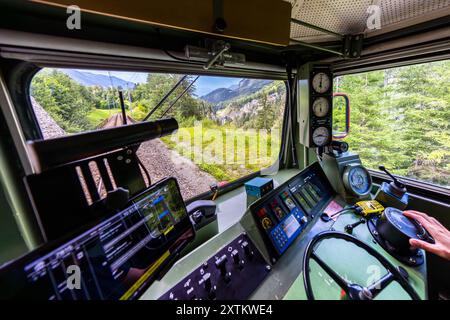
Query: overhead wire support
165, 97
179, 97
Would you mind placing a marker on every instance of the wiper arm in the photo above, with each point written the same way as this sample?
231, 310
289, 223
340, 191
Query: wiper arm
165, 98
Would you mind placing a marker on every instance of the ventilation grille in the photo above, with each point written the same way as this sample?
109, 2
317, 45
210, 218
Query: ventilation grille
349, 17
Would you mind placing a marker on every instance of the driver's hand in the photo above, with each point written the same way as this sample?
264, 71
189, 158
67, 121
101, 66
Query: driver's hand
441, 235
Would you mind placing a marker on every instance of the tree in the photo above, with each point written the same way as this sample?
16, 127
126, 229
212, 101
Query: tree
64, 99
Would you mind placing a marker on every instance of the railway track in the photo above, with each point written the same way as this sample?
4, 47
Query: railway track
115, 121
161, 162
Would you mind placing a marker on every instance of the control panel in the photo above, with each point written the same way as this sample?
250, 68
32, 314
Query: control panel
282, 220
234, 272
285, 212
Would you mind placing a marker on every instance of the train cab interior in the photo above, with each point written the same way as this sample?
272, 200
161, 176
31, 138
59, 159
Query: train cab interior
225, 150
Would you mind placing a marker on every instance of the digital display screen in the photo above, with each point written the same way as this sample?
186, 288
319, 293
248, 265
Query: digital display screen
115, 259
302, 202
277, 209
265, 219
288, 200
290, 225
308, 197
312, 190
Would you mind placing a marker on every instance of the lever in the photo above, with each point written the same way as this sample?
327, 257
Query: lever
215, 57
349, 228
397, 182
221, 264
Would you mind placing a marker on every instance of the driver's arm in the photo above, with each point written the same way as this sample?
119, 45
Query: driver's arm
441, 235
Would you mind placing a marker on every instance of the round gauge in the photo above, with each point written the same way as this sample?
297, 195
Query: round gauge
320, 136
321, 82
357, 180
321, 107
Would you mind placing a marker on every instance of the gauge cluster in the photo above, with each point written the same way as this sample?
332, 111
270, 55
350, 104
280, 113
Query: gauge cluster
321, 100
315, 105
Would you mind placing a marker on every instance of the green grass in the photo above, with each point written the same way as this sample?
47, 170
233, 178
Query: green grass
234, 166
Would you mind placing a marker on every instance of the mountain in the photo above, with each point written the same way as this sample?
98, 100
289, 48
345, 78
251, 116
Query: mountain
244, 87
92, 79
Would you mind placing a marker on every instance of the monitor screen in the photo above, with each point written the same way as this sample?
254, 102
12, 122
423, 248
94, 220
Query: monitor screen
115, 259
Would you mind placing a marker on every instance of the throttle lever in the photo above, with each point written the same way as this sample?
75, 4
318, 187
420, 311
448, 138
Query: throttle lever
397, 182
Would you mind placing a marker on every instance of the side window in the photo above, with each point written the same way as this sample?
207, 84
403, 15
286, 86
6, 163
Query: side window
400, 118
229, 127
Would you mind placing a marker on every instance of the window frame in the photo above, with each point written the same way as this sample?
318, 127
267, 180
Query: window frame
414, 186
205, 195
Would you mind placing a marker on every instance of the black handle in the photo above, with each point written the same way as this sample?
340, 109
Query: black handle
397, 182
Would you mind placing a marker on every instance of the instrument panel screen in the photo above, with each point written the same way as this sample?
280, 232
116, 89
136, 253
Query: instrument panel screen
289, 226
115, 259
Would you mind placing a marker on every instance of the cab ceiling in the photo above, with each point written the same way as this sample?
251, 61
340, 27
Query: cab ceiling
350, 17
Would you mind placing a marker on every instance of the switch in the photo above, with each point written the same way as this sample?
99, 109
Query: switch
304, 219
221, 264
237, 259
235, 256
247, 249
190, 294
207, 282
209, 288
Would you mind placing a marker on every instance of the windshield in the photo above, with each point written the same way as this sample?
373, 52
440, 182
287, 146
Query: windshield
229, 127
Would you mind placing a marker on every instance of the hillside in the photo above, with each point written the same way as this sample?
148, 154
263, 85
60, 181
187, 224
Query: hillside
244, 87
260, 110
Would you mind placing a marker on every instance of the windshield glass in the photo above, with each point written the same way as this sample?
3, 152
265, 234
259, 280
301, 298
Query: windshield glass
400, 118
229, 127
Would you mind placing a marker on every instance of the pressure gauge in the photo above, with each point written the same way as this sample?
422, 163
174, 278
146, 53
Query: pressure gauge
357, 180
321, 82
321, 136
321, 107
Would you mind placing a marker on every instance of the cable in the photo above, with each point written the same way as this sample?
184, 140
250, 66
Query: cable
326, 218
147, 174
173, 56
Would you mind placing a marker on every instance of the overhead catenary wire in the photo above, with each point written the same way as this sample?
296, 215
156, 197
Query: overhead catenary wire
179, 97
164, 98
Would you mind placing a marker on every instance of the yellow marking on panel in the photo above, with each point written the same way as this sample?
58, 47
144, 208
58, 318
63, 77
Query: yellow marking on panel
168, 230
145, 276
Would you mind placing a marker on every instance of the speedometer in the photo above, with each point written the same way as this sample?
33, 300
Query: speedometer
357, 180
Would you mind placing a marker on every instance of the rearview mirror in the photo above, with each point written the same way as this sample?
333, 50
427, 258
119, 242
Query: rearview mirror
341, 115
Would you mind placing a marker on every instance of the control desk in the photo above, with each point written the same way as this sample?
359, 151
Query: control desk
278, 228
130, 254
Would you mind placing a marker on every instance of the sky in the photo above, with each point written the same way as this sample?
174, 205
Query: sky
204, 84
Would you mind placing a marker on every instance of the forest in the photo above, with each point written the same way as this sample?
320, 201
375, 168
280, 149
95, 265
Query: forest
400, 117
